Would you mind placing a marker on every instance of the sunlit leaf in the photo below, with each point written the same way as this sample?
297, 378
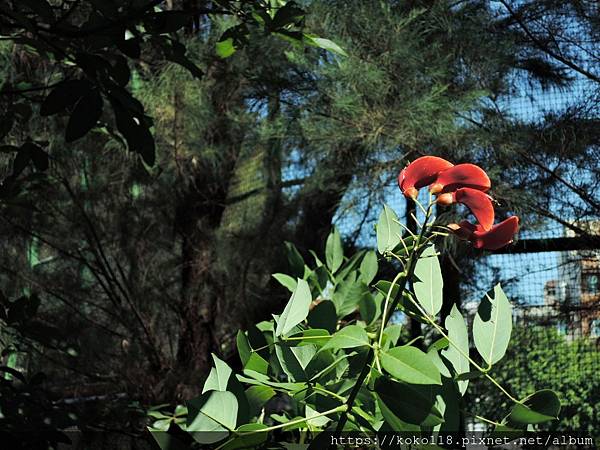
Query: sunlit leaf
296, 309
388, 230
492, 326
428, 288
411, 365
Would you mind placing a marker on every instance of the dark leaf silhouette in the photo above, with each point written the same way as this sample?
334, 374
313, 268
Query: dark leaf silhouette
64, 95
85, 115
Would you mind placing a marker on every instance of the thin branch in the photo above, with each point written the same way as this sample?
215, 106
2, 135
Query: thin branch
545, 48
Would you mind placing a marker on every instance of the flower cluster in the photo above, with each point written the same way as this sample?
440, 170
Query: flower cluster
466, 184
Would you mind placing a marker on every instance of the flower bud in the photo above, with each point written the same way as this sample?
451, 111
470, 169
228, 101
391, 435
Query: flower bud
445, 199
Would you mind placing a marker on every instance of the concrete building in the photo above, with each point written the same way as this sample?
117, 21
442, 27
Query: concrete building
575, 295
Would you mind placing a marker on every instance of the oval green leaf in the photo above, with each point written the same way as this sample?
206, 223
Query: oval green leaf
389, 231
428, 288
348, 337
296, 309
538, 407
334, 252
492, 326
411, 365
456, 351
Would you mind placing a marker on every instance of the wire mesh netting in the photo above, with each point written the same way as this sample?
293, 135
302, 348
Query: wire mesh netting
555, 294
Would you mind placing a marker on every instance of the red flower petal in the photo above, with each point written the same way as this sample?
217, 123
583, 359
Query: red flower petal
479, 203
459, 176
421, 172
500, 235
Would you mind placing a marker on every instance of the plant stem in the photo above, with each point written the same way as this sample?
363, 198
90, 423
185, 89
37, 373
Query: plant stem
387, 302
385, 319
293, 422
477, 366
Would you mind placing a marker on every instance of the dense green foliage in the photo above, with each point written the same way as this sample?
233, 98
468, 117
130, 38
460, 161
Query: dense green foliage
332, 360
541, 358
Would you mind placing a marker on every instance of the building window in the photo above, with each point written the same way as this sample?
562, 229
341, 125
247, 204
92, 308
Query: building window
591, 283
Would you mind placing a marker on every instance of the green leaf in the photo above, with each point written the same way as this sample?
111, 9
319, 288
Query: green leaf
258, 396
434, 356
325, 44
459, 336
389, 231
369, 267
250, 359
428, 288
370, 307
85, 116
347, 296
314, 420
538, 407
312, 336
293, 360
288, 14
295, 260
492, 326
391, 334
262, 380
349, 268
411, 365
225, 48
163, 22
440, 344
348, 337
296, 310
249, 437
448, 403
403, 404
405, 304
322, 365
286, 281
211, 415
38, 156
134, 127
318, 279
218, 377
406, 245
172, 439
318, 262
323, 316
334, 252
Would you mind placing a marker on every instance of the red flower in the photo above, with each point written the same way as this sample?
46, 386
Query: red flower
497, 237
478, 202
459, 176
421, 172
466, 184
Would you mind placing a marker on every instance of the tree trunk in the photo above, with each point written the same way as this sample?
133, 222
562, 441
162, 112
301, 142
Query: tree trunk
321, 197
